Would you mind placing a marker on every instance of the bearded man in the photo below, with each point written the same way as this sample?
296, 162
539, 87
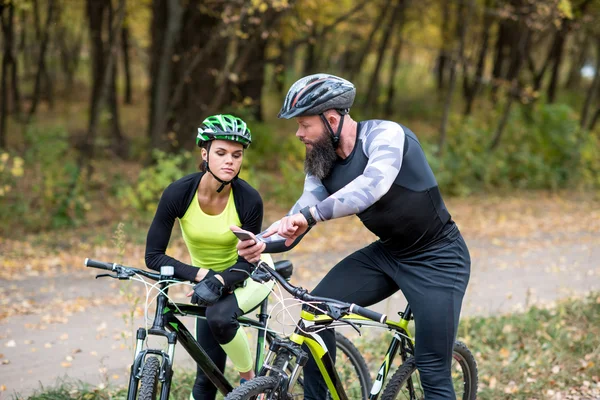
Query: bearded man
377, 170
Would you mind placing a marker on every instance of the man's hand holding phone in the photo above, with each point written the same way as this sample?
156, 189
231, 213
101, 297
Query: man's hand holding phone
249, 246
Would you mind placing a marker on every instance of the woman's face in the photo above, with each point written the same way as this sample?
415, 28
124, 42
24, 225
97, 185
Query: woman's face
225, 159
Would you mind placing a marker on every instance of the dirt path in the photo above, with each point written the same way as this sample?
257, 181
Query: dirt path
72, 325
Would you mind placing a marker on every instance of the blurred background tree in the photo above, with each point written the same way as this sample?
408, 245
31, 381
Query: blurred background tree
101, 98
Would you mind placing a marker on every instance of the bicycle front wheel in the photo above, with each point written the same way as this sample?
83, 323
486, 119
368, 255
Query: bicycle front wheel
406, 383
351, 368
254, 388
149, 379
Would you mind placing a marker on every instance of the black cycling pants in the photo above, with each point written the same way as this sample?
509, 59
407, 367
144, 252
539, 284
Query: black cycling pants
433, 281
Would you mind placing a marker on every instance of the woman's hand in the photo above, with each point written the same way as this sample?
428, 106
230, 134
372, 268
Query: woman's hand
249, 249
202, 272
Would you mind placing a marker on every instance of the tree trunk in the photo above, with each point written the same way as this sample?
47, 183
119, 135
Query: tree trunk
120, 145
472, 90
561, 37
102, 62
126, 67
574, 79
164, 36
522, 48
70, 55
44, 38
499, 56
593, 90
7, 12
443, 56
253, 78
389, 104
371, 97
311, 51
461, 29
23, 45
357, 64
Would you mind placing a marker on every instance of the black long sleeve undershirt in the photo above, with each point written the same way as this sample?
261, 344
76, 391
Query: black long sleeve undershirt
173, 204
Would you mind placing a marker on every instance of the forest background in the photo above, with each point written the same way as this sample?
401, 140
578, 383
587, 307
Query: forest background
100, 99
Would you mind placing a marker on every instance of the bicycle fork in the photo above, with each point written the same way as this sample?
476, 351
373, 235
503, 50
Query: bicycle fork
166, 366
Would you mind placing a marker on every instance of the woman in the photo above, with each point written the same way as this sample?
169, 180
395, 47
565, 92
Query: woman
207, 204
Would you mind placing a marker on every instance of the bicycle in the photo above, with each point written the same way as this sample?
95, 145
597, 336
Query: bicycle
152, 366
273, 382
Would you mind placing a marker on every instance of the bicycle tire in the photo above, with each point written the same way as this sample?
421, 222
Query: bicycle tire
149, 379
254, 387
465, 387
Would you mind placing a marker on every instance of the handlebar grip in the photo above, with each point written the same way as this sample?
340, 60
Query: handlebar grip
98, 264
364, 312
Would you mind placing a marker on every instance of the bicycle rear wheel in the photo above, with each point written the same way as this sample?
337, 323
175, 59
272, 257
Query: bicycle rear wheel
406, 383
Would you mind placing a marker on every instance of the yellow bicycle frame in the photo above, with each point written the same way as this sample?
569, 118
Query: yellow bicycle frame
320, 353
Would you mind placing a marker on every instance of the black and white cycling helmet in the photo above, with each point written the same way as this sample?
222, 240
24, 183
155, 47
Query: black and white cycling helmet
315, 94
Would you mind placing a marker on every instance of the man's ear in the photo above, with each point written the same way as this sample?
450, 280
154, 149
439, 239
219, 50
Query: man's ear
333, 118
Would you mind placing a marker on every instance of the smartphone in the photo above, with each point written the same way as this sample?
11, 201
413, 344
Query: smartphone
244, 235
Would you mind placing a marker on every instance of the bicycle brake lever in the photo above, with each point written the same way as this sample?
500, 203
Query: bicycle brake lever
109, 275
352, 324
337, 313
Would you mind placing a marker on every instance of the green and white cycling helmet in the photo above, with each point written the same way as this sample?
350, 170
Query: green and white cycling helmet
224, 127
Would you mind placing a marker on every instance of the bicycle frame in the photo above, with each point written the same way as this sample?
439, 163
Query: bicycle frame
167, 324
306, 334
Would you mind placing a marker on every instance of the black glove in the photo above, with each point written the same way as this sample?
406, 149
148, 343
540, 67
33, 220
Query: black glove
207, 292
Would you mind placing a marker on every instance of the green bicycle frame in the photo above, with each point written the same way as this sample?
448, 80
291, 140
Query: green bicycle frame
167, 324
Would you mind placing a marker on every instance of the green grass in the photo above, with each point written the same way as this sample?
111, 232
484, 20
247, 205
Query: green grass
532, 355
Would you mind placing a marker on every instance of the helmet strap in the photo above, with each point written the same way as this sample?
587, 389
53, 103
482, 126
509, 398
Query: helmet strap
335, 135
221, 181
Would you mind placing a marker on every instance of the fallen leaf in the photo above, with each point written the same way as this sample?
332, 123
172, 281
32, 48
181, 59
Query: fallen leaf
115, 376
11, 343
2, 388
48, 345
556, 369
69, 358
6, 361
64, 336
65, 364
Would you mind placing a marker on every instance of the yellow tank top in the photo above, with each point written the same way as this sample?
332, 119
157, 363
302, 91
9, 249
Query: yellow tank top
208, 238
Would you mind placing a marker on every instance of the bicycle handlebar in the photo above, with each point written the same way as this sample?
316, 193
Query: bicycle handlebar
124, 272
99, 264
303, 295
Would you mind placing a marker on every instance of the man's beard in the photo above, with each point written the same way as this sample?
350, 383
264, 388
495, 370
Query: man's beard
321, 157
